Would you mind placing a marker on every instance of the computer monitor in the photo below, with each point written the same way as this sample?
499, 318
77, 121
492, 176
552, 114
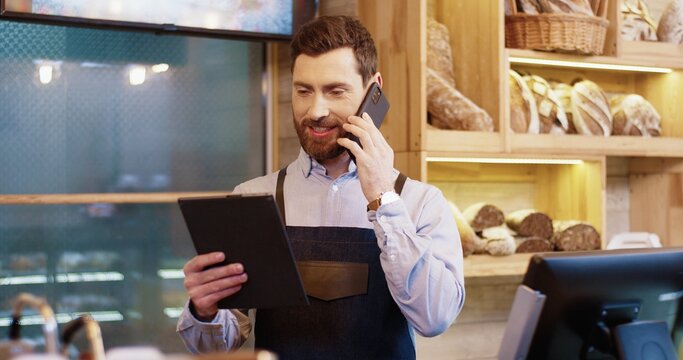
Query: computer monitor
588, 294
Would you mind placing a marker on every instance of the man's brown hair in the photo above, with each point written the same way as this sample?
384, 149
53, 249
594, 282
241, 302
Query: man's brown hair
328, 33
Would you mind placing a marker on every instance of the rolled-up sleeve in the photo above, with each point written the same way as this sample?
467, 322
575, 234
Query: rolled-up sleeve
228, 330
422, 260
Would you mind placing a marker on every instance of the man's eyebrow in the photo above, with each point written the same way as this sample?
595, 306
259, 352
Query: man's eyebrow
302, 84
326, 87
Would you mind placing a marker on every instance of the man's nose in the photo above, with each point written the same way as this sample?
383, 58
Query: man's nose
319, 109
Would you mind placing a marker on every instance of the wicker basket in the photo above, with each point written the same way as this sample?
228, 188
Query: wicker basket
568, 33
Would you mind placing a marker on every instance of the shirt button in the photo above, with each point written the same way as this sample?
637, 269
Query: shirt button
392, 257
335, 187
383, 218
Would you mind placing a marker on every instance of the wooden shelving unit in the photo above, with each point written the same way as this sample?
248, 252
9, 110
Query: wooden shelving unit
481, 66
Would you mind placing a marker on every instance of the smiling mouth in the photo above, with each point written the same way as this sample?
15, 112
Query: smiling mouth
321, 131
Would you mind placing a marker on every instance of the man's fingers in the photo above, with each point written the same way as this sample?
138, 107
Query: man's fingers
213, 298
199, 262
199, 293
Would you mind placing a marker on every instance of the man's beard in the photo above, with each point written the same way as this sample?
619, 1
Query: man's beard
320, 150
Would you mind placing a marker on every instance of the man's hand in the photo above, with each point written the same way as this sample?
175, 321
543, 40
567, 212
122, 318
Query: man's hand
375, 160
207, 287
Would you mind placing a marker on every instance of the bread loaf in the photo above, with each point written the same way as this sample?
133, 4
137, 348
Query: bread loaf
450, 109
500, 241
590, 109
671, 23
439, 55
523, 110
534, 7
482, 215
553, 119
468, 238
637, 24
532, 244
564, 94
582, 7
531, 7
633, 115
575, 236
529, 222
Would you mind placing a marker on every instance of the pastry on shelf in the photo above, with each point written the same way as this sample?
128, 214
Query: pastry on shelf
551, 115
532, 244
532, 7
670, 27
482, 215
637, 24
530, 222
439, 54
575, 236
499, 241
633, 115
470, 241
523, 110
564, 94
448, 108
591, 114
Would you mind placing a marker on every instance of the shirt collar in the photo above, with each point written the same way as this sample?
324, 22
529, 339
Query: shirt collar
307, 165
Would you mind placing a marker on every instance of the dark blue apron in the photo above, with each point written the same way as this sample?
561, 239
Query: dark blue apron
351, 313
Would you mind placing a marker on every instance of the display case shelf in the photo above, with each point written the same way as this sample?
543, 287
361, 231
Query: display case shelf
477, 266
592, 145
639, 55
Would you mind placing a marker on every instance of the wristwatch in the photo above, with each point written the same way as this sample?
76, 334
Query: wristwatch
384, 198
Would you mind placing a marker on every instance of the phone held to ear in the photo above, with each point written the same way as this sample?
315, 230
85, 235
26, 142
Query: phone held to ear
376, 105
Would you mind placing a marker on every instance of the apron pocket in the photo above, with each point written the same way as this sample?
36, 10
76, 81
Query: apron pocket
332, 280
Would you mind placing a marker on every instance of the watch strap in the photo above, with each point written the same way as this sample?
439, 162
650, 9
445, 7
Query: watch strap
398, 187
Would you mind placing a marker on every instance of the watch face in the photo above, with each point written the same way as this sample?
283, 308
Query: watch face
389, 197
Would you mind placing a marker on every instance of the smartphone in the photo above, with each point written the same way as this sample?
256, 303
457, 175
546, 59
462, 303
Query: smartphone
376, 105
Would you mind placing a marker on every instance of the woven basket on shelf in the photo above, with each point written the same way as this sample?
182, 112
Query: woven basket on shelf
569, 33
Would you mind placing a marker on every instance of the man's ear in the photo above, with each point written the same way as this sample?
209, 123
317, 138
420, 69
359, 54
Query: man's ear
378, 79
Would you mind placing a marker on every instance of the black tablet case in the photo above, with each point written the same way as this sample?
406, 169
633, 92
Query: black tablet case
248, 229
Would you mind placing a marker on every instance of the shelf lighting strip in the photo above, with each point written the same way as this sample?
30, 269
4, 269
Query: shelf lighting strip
505, 160
171, 274
588, 65
63, 278
173, 312
99, 316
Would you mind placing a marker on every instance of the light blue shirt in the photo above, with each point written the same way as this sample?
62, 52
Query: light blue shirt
421, 254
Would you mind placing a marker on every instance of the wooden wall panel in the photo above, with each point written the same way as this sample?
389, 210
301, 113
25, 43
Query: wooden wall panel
398, 30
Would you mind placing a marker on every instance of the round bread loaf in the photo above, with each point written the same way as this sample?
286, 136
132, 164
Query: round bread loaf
551, 115
633, 115
670, 27
564, 94
523, 110
590, 109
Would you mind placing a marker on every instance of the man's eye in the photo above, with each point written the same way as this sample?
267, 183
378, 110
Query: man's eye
302, 92
337, 92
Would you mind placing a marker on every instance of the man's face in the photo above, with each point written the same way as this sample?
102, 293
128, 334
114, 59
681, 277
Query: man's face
325, 90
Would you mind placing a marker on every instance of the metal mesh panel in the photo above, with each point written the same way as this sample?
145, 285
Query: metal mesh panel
197, 126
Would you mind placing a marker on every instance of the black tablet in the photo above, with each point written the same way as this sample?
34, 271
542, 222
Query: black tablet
248, 229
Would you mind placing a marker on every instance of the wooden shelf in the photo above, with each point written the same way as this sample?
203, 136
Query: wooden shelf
487, 266
652, 53
594, 145
633, 54
447, 141
463, 141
